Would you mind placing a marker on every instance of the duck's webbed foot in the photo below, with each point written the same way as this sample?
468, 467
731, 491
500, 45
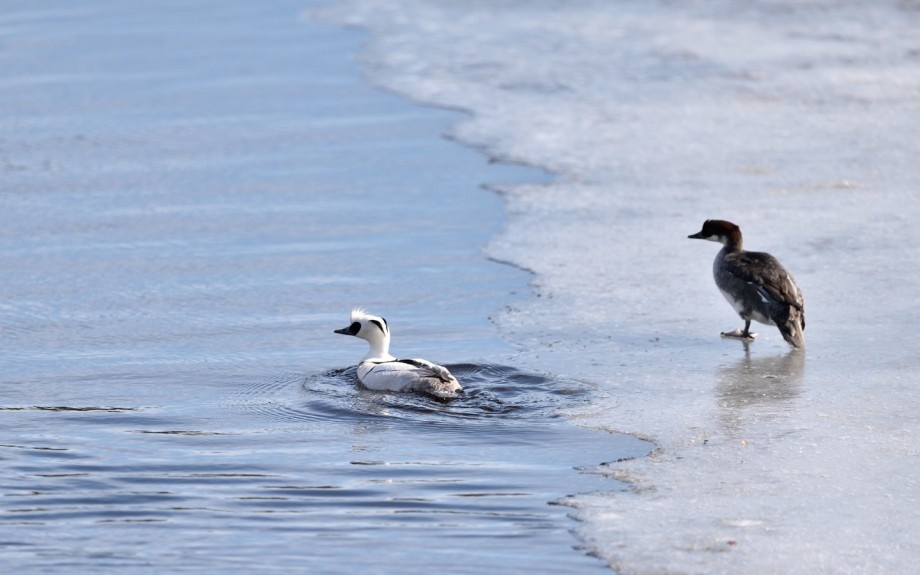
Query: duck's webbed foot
744, 334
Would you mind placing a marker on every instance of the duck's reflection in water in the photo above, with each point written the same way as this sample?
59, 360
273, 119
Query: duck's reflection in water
758, 388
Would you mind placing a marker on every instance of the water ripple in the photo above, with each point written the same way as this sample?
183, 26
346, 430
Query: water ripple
491, 393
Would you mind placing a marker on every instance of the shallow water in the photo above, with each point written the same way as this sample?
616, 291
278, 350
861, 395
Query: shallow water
195, 195
314, 470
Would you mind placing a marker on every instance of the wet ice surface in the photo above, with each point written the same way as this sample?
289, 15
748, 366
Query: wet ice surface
799, 122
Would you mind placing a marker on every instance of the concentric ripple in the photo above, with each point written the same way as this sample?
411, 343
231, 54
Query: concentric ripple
490, 392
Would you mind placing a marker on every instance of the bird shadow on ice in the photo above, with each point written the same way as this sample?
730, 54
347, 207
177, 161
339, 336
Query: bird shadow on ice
758, 387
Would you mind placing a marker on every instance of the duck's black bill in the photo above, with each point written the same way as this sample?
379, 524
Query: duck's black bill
697, 236
353, 329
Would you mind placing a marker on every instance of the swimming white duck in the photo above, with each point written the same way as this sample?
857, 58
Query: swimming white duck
755, 284
381, 371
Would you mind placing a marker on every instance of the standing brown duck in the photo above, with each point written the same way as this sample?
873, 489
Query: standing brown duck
756, 285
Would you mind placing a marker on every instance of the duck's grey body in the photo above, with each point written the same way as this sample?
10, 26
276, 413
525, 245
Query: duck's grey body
756, 285
381, 371
417, 375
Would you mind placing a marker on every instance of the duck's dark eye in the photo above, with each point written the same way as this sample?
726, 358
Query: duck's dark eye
354, 328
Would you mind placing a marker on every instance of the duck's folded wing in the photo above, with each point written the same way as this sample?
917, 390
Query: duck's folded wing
390, 375
766, 272
409, 375
427, 369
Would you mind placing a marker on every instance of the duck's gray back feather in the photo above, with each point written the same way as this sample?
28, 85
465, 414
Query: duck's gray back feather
409, 375
768, 292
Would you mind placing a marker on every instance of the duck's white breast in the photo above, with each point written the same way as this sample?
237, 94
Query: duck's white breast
739, 306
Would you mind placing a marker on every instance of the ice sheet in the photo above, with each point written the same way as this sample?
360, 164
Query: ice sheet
797, 120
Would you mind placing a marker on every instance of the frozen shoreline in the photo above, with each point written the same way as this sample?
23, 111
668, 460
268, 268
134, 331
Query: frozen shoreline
797, 122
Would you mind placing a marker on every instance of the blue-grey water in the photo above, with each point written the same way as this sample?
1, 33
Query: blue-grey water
194, 196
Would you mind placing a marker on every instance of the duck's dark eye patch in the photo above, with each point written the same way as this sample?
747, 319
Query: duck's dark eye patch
380, 325
354, 328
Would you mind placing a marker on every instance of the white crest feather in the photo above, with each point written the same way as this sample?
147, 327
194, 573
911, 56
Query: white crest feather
357, 314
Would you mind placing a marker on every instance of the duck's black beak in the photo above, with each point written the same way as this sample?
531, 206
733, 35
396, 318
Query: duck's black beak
697, 236
353, 329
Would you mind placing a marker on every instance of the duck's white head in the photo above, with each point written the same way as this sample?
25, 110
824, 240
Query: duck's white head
372, 329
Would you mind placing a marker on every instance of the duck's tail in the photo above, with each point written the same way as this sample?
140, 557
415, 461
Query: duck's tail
793, 329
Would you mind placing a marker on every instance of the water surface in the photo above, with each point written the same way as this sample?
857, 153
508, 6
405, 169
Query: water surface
313, 470
195, 195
